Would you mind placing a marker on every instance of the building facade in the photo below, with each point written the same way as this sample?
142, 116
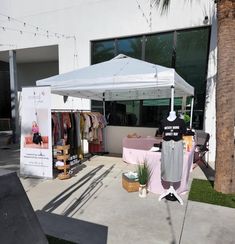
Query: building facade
59, 36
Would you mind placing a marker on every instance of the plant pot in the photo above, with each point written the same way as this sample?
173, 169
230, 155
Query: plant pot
142, 191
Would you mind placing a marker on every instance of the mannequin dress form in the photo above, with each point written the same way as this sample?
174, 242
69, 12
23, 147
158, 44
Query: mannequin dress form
172, 116
171, 193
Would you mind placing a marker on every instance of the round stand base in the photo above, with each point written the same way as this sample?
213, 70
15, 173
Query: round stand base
63, 176
171, 197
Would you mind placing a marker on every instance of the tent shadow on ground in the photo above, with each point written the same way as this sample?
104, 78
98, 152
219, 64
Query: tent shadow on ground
91, 189
73, 230
169, 220
74, 169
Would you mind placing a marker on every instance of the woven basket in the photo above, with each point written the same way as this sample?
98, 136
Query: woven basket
129, 184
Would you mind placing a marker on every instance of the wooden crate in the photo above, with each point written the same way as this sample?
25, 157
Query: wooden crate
129, 184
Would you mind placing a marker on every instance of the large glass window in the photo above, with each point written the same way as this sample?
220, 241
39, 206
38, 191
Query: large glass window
132, 47
146, 113
184, 50
191, 64
159, 49
102, 51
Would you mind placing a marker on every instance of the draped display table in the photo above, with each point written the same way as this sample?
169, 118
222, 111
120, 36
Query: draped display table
156, 185
143, 143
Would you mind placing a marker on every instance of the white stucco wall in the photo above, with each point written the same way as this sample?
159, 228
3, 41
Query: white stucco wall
99, 19
115, 134
89, 20
210, 112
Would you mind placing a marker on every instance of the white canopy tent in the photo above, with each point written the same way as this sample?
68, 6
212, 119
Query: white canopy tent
121, 78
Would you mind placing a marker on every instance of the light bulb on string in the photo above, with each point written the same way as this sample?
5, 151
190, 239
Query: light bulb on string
39, 31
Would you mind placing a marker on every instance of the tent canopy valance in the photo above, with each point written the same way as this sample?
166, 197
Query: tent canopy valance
121, 78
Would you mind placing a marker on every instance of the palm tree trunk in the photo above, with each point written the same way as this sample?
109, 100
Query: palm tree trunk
225, 98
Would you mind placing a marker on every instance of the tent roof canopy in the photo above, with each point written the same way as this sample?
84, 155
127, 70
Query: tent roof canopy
121, 78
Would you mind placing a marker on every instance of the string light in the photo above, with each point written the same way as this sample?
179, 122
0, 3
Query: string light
143, 14
38, 29
75, 57
8, 45
20, 31
148, 20
150, 15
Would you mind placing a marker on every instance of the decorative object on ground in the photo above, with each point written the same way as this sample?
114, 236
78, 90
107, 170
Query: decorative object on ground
203, 191
144, 174
143, 191
130, 181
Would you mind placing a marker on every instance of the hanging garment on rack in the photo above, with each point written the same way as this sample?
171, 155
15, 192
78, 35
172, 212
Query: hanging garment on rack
78, 132
55, 128
72, 135
95, 138
67, 124
73, 127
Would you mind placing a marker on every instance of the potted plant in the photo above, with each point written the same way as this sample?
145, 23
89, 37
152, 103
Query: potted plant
186, 119
144, 174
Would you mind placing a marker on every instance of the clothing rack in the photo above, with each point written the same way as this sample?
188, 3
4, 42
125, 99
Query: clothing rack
88, 155
71, 110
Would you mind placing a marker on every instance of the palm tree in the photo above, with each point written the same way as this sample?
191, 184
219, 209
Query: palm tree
225, 95
225, 100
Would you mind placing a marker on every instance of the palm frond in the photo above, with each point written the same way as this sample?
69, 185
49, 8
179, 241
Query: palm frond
163, 5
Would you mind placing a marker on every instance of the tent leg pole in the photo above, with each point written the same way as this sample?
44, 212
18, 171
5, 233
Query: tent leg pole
104, 134
172, 97
104, 104
191, 113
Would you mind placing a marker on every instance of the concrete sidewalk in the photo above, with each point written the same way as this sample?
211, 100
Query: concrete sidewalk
93, 203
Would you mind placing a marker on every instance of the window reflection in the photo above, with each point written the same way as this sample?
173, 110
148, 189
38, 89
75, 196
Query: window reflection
159, 49
102, 51
190, 58
131, 47
145, 113
191, 64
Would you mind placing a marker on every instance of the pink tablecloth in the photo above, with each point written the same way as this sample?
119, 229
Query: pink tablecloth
143, 143
156, 185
